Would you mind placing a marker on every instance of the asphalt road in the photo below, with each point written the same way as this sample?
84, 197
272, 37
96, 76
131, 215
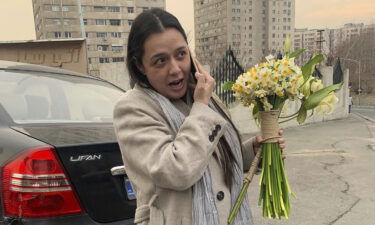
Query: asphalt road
368, 112
331, 169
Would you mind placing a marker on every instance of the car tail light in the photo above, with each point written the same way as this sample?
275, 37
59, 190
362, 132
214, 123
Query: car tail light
36, 186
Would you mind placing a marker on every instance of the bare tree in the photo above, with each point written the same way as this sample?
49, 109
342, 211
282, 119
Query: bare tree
361, 49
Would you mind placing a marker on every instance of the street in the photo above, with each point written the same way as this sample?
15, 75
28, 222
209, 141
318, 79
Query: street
331, 169
367, 112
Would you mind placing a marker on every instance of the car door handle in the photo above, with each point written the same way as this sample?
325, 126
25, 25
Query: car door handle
118, 170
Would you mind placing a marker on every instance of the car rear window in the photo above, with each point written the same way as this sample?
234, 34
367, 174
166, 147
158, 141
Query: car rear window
30, 97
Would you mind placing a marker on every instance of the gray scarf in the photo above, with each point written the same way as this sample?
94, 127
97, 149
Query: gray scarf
204, 211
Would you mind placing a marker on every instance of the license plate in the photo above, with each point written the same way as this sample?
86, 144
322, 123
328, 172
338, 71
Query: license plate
129, 189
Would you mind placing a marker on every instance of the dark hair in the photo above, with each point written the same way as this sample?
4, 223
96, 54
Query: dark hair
145, 24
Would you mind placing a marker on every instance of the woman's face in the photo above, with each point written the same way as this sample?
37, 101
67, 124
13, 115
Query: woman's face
166, 63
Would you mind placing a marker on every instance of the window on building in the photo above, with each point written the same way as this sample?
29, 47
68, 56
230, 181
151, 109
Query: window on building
67, 21
87, 34
89, 59
117, 48
55, 8
284, 35
56, 21
250, 27
116, 34
145, 8
115, 22
101, 34
68, 34
103, 60
84, 21
264, 3
99, 8
264, 19
65, 9
273, 35
273, 11
118, 59
102, 48
273, 19
114, 9
263, 12
130, 9
130, 22
100, 22
57, 34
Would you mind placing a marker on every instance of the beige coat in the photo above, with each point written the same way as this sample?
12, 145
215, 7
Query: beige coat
163, 166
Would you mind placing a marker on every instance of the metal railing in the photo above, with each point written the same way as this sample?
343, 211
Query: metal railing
228, 69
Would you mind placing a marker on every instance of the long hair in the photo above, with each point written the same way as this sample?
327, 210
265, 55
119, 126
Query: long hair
147, 23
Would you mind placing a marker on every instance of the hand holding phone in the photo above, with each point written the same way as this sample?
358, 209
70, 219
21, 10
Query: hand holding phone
205, 83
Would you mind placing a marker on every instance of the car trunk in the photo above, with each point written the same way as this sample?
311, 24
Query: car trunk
88, 153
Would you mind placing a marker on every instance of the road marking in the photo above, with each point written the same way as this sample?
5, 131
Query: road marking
318, 153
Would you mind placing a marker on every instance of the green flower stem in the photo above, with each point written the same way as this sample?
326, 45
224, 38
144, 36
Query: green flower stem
294, 114
284, 121
274, 187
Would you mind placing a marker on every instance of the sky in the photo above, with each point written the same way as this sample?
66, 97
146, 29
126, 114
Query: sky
17, 22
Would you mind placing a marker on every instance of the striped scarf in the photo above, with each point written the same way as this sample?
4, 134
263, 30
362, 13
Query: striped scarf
204, 210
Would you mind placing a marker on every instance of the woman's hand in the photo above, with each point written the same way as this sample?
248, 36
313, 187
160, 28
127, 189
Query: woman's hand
205, 85
258, 141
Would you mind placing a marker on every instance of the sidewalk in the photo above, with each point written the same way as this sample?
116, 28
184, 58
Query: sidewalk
331, 169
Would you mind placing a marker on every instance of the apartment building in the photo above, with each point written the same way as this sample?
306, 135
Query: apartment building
251, 28
104, 24
316, 41
326, 41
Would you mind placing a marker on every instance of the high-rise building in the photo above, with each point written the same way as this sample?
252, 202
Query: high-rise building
104, 24
251, 28
316, 41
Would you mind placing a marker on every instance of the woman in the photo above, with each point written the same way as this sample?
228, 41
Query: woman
180, 149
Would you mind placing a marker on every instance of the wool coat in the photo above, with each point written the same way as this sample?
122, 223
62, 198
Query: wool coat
163, 165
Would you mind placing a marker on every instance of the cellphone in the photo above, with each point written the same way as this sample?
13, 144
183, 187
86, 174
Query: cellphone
193, 68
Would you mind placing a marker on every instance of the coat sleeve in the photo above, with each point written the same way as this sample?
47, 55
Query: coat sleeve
149, 146
248, 153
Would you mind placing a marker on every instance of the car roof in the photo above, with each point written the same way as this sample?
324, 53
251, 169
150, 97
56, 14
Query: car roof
17, 66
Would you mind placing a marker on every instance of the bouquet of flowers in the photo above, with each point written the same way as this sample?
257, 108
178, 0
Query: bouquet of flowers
266, 87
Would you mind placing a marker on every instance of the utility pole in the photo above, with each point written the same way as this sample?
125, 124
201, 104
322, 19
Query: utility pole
359, 77
320, 41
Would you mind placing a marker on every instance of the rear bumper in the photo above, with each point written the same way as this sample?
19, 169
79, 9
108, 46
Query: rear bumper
82, 219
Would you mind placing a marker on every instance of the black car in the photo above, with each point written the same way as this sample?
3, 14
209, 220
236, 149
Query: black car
59, 159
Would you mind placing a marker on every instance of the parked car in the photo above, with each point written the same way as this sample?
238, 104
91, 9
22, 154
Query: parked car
57, 149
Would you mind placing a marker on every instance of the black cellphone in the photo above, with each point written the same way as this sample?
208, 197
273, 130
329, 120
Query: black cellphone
193, 68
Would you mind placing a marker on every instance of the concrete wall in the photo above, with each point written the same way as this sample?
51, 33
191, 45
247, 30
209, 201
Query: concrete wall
67, 54
242, 116
116, 73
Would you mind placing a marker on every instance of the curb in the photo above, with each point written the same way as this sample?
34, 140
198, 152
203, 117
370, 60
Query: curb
364, 106
365, 117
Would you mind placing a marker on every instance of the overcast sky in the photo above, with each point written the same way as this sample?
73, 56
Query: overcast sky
17, 23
